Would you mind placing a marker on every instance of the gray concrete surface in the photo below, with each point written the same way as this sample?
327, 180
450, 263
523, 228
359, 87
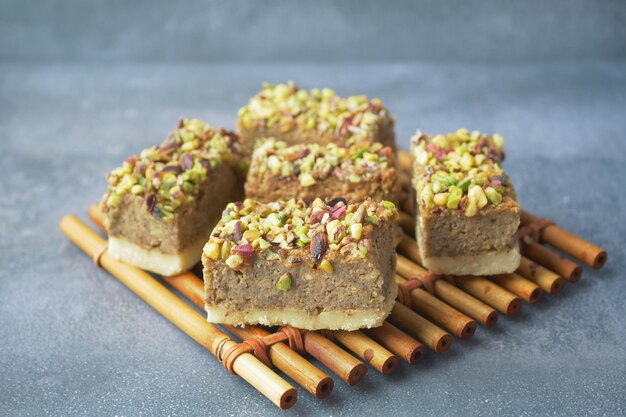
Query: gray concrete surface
75, 342
323, 30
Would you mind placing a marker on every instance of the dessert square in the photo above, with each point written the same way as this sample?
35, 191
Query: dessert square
467, 210
317, 266
162, 204
294, 115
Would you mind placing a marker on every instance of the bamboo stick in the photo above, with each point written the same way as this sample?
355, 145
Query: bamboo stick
407, 223
546, 279
344, 365
518, 285
403, 345
404, 159
573, 245
426, 332
282, 357
377, 356
406, 205
454, 321
408, 247
180, 314
551, 260
491, 293
476, 309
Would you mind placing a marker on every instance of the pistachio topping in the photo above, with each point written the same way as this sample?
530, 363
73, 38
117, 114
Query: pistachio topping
296, 230
286, 108
169, 175
459, 171
310, 163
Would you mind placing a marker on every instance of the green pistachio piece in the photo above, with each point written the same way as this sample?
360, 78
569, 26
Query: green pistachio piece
326, 266
212, 250
114, 200
456, 193
373, 219
388, 204
284, 282
494, 197
233, 261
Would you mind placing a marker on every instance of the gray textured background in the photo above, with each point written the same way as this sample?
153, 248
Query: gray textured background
84, 84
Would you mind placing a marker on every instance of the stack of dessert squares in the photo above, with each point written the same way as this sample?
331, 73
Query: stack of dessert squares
295, 216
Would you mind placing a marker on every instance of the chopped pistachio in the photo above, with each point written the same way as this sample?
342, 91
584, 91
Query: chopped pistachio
456, 193
291, 225
362, 251
372, 219
356, 230
441, 199
212, 250
494, 197
306, 179
284, 282
326, 266
233, 261
450, 166
322, 111
388, 204
113, 200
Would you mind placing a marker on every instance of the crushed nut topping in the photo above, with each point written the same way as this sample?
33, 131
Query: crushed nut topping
284, 229
310, 163
169, 175
287, 108
458, 171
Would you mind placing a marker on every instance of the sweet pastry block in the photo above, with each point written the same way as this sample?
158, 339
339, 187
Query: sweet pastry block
317, 266
467, 210
307, 171
162, 204
295, 115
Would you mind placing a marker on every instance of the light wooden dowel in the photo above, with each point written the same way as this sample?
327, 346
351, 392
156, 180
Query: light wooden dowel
426, 332
569, 270
573, 245
407, 223
454, 321
404, 159
400, 343
282, 357
367, 349
520, 286
344, 365
546, 279
474, 308
491, 293
408, 247
275, 388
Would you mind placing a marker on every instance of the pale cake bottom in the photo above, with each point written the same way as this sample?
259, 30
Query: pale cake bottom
487, 263
352, 319
154, 260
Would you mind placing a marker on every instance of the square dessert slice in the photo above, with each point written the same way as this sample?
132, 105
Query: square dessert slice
307, 171
161, 205
286, 112
467, 210
316, 266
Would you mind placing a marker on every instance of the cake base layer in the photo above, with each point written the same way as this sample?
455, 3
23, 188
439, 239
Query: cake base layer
154, 260
487, 263
351, 319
